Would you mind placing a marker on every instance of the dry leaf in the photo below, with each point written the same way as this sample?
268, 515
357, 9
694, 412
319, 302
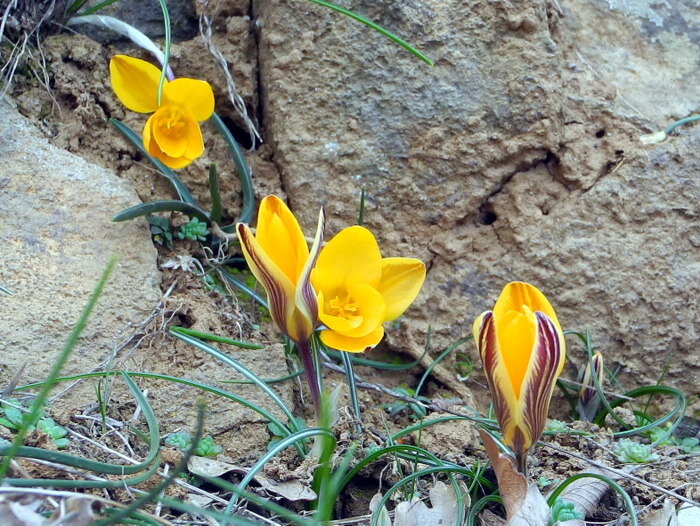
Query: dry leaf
384, 519
292, 489
20, 511
443, 510
689, 515
585, 494
666, 516
524, 504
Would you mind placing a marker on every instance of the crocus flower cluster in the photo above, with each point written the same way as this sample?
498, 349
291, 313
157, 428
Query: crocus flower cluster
172, 133
347, 285
522, 348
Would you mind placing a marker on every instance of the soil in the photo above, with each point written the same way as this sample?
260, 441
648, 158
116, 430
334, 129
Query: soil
74, 115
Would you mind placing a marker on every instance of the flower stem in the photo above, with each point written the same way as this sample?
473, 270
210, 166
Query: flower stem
521, 462
311, 375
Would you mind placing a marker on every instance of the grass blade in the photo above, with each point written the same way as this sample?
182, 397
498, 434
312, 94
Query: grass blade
233, 281
278, 447
244, 175
437, 360
217, 354
56, 369
144, 209
189, 383
376, 27
93, 465
214, 338
159, 488
350, 375
215, 194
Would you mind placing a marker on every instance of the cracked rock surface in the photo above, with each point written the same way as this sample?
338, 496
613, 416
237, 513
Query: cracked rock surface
516, 157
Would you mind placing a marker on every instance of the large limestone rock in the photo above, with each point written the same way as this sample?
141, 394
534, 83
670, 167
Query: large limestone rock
56, 240
516, 157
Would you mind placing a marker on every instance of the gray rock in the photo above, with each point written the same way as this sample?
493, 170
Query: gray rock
56, 240
516, 157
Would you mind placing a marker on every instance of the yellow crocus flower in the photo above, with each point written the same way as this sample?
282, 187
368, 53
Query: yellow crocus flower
522, 349
279, 258
358, 289
172, 133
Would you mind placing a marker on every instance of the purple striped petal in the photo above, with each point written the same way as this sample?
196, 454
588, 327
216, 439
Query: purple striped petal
496, 376
545, 365
305, 298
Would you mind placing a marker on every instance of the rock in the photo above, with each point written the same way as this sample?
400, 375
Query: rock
147, 17
516, 157
57, 238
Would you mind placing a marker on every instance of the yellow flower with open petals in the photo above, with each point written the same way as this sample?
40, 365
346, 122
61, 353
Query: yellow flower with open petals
358, 290
522, 349
279, 258
172, 133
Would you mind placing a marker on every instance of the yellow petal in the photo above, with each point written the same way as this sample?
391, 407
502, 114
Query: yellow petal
402, 279
279, 235
170, 132
135, 82
280, 290
333, 319
352, 256
341, 342
517, 293
195, 142
305, 297
196, 96
358, 312
516, 327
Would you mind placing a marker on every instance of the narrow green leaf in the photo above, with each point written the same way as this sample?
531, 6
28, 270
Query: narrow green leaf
244, 175
159, 488
214, 338
376, 27
145, 209
38, 402
215, 194
93, 465
190, 383
90, 10
216, 353
278, 447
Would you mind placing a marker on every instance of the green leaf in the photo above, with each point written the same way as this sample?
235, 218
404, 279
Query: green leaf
161, 206
376, 27
215, 194
244, 175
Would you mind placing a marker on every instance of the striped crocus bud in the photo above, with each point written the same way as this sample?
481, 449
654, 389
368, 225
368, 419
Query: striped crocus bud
588, 400
522, 349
